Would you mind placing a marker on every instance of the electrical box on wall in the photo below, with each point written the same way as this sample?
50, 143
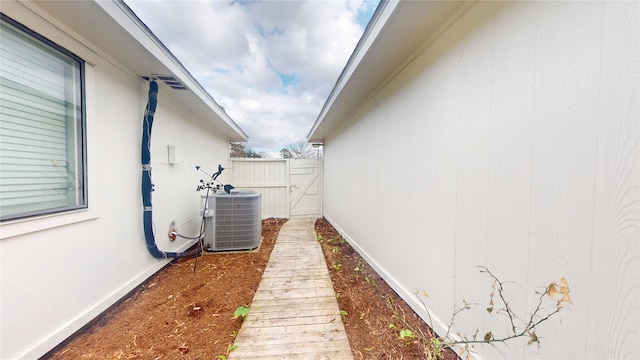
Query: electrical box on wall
173, 153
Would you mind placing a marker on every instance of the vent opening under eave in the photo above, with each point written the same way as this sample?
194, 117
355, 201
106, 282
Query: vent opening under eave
169, 80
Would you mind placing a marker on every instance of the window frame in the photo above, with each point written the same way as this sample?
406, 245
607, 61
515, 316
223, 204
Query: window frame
79, 131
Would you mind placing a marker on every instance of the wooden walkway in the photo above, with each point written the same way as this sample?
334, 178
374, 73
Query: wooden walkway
294, 313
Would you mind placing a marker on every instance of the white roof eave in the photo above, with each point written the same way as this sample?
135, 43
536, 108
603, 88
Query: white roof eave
396, 31
115, 29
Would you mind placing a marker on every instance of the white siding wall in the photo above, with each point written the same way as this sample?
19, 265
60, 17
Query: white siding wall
512, 142
59, 272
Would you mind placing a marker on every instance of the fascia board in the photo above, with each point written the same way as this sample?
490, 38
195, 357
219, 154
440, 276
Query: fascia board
370, 34
111, 30
127, 19
401, 30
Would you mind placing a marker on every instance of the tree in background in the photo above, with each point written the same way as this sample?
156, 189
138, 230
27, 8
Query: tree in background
299, 150
240, 150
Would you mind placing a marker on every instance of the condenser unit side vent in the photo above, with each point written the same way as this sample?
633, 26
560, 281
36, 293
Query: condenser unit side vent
233, 221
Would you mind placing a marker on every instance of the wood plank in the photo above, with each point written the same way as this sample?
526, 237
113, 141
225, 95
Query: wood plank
294, 292
326, 354
291, 273
304, 348
287, 320
270, 313
300, 302
297, 252
294, 313
278, 282
293, 339
301, 266
302, 331
293, 333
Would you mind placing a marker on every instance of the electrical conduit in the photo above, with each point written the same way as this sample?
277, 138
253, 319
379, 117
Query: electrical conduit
147, 186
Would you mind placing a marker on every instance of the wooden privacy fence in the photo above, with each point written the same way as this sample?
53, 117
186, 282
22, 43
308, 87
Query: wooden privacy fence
290, 188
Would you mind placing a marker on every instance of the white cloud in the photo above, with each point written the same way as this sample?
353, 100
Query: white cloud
270, 64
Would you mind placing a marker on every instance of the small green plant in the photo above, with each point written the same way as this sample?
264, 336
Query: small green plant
241, 312
357, 270
337, 265
370, 280
229, 350
344, 314
339, 238
407, 336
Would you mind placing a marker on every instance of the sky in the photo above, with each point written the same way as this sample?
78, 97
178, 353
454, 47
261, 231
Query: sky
270, 64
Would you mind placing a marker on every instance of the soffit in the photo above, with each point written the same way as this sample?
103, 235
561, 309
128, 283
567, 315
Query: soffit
120, 35
397, 30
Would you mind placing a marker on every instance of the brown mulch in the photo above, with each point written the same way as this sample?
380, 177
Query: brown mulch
371, 305
182, 314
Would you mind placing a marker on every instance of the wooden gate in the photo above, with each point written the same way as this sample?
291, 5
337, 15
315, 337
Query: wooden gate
305, 188
290, 188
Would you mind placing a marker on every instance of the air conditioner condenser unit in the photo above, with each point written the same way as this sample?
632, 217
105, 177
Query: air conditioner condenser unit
232, 221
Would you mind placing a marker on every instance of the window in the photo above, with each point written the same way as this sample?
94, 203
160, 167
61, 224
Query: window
42, 142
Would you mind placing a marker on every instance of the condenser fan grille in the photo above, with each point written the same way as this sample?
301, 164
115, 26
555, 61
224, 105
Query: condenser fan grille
234, 221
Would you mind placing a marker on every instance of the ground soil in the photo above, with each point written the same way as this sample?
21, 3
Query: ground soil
182, 314
371, 305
